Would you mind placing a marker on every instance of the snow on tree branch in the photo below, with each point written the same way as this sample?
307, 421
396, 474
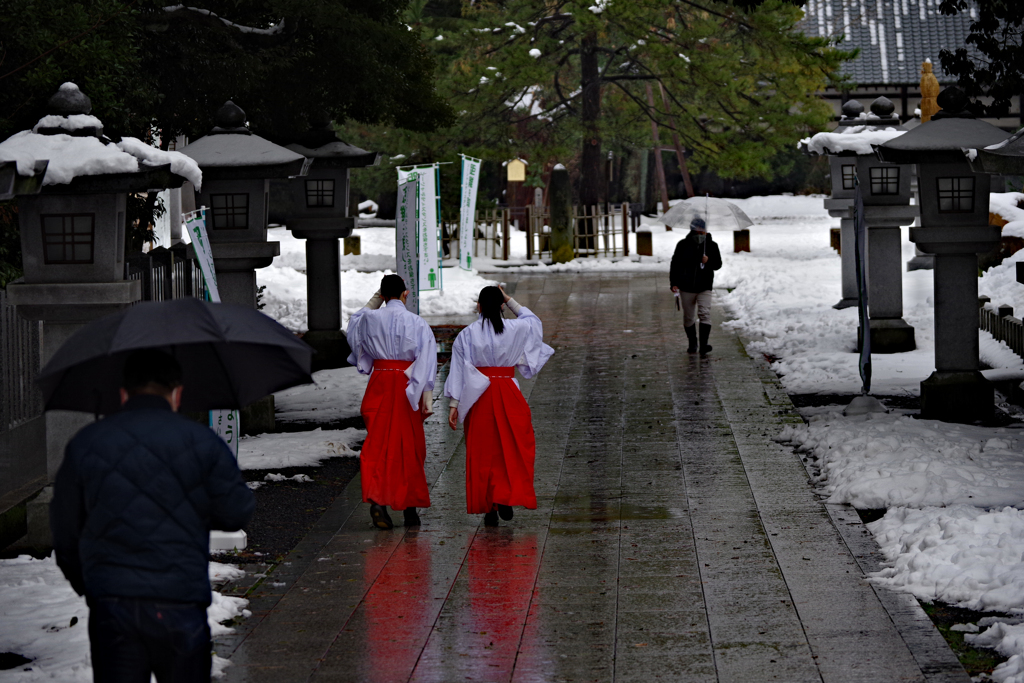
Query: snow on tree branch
273, 30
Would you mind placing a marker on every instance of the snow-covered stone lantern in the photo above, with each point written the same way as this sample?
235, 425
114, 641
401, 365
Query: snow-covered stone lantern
885, 190
954, 202
317, 211
237, 168
1003, 158
73, 227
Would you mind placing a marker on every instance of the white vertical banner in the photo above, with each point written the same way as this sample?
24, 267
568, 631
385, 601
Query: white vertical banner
428, 240
467, 210
406, 226
226, 423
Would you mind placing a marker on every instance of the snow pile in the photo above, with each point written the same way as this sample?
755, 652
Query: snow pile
856, 139
43, 619
73, 122
1005, 205
334, 395
1008, 640
960, 555
72, 156
880, 461
298, 449
298, 478
1000, 283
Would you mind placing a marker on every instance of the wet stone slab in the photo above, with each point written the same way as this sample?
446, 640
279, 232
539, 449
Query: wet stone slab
673, 540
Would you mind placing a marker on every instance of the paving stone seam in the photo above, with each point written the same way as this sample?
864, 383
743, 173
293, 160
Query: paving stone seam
937, 662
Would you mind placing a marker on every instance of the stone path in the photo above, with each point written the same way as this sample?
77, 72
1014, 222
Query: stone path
673, 540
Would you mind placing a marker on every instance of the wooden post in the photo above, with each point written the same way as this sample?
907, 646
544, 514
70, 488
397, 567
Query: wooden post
929, 91
625, 228
504, 234
529, 233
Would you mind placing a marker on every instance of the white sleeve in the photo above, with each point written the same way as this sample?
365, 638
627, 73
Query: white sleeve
355, 337
453, 385
423, 371
536, 353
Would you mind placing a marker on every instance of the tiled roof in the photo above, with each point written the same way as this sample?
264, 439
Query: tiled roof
894, 36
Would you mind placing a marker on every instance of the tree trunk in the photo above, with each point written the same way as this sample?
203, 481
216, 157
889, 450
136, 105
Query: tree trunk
592, 180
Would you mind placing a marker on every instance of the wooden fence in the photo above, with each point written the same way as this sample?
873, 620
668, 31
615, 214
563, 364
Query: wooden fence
20, 353
598, 231
1000, 323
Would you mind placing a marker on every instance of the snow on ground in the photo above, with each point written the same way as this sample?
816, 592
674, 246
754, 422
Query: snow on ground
43, 619
335, 395
285, 295
887, 460
297, 449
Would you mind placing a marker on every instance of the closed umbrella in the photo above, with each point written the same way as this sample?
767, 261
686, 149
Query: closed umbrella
230, 356
717, 213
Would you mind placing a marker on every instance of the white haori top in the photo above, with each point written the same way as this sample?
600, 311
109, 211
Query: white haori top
521, 344
394, 333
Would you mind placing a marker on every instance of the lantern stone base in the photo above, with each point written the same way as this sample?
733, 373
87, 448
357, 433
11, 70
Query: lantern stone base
957, 397
258, 417
331, 346
888, 335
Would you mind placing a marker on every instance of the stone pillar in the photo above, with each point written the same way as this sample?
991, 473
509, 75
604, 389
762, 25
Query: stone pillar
323, 293
889, 332
840, 208
956, 391
560, 196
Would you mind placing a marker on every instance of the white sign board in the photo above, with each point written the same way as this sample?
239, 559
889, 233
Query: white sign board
428, 239
467, 210
225, 423
406, 223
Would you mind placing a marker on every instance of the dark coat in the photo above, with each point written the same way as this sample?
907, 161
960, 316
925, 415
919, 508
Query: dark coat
134, 502
685, 271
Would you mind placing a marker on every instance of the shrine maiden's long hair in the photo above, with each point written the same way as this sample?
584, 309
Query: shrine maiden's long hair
491, 300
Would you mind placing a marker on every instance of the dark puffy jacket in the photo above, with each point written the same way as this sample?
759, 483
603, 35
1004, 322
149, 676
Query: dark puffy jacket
134, 502
686, 273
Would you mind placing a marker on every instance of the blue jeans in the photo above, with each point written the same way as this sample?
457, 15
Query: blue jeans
132, 638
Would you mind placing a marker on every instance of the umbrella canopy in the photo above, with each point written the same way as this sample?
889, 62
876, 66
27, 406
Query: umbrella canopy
230, 356
718, 214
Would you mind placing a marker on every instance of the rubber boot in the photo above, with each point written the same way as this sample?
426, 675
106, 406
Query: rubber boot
705, 332
691, 335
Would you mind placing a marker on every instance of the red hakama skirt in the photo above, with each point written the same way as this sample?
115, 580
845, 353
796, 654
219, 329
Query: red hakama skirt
391, 462
500, 446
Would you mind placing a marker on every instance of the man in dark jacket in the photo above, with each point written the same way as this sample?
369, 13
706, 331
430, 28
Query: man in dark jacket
692, 276
133, 505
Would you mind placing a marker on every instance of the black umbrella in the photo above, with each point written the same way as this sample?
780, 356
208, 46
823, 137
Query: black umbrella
230, 356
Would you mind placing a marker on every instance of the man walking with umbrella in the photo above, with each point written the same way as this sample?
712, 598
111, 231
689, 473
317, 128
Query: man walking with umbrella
692, 276
133, 505
398, 348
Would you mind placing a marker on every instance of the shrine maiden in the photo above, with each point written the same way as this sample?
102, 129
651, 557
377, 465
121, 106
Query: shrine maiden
398, 348
500, 446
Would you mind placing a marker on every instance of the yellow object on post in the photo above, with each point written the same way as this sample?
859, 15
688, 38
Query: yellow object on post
517, 171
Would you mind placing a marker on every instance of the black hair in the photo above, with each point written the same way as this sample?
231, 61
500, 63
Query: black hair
145, 367
392, 286
490, 301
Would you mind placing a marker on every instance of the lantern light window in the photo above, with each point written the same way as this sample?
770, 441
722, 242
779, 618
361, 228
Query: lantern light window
956, 195
885, 180
849, 176
68, 238
230, 211
320, 193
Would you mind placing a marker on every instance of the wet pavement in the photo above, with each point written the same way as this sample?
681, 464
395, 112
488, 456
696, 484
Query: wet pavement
673, 540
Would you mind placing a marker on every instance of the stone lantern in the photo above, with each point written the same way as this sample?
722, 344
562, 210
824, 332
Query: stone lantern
886, 193
73, 227
237, 168
1004, 158
954, 202
315, 208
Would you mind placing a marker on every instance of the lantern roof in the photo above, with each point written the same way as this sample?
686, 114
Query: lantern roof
230, 150
945, 137
858, 132
321, 144
68, 150
1003, 157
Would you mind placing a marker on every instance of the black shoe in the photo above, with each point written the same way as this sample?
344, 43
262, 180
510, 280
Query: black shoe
411, 517
491, 518
705, 332
505, 512
691, 336
381, 518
